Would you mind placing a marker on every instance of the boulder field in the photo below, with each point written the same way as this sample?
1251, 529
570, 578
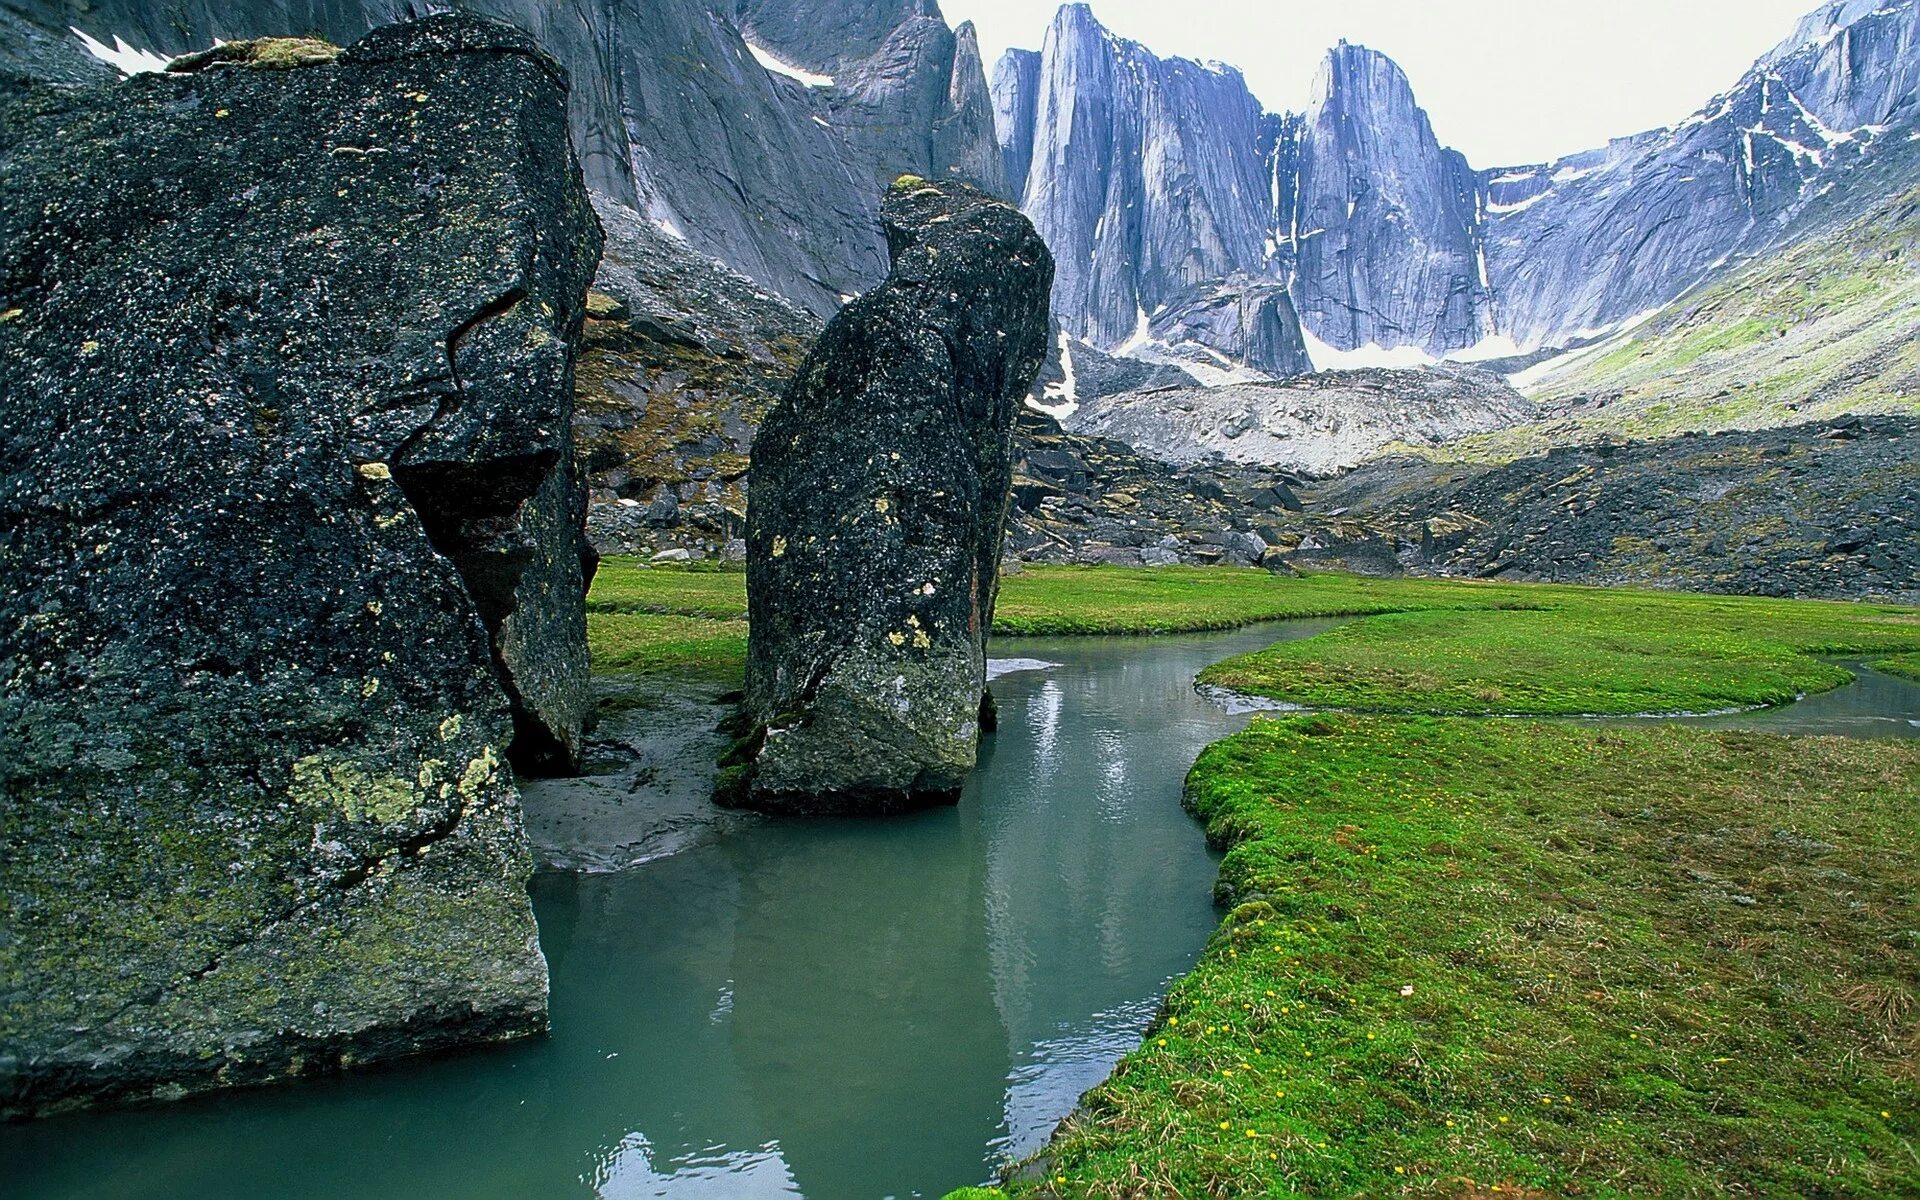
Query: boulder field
291, 535
877, 513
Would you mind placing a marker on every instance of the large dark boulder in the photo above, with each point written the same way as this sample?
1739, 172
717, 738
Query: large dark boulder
876, 513
286, 518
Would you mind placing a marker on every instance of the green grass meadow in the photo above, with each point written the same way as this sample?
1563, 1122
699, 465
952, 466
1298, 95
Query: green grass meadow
1468, 955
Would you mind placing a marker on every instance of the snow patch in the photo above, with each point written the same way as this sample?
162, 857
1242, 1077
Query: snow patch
1059, 400
1499, 345
1207, 374
780, 66
1326, 358
1519, 205
126, 59
1142, 332
1616, 335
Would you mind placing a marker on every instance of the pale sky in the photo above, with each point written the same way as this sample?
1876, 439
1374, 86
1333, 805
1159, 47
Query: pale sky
1505, 81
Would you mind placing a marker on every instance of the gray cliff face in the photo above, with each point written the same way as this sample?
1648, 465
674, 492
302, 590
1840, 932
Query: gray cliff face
1588, 241
1161, 182
917, 106
881, 484
293, 552
827, 37
1155, 177
1016, 86
1382, 217
1142, 175
673, 116
1240, 319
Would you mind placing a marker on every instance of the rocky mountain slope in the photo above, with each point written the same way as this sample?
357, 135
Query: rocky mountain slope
1161, 176
1821, 327
768, 155
1822, 509
1596, 238
1313, 424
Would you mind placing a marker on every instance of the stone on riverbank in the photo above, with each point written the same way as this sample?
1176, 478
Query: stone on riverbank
877, 511
287, 519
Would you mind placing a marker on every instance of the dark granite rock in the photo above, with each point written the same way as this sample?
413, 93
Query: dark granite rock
287, 519
879, 501
1825, 510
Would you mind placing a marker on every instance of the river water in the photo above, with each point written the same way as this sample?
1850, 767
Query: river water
748, 1008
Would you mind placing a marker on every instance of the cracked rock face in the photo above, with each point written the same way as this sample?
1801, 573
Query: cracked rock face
287, 518
877, 512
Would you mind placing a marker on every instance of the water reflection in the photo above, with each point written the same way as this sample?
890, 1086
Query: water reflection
826, 1008
767, 1008
715, 1174
1874, 705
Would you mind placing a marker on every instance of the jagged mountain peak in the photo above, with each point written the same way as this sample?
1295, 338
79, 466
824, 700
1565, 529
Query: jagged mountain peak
1389, 242
1352, 71
1829, 20
1137, 171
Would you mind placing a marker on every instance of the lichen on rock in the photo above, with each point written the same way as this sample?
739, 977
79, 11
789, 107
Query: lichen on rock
292, 543
263, 54
877, 512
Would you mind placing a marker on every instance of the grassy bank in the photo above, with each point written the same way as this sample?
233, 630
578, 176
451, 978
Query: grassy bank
1493, 957
1474, 958
1578, 651
1425, 645
1907, 666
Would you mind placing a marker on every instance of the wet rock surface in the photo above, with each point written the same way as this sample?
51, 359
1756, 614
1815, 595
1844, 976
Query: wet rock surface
880, 493
293, 557
646, 788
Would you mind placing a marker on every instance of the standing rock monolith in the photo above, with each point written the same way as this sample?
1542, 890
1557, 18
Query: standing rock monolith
876, 514
292, 551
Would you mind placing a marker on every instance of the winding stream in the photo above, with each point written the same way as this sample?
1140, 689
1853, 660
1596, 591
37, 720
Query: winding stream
834, 1009
749, 1008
